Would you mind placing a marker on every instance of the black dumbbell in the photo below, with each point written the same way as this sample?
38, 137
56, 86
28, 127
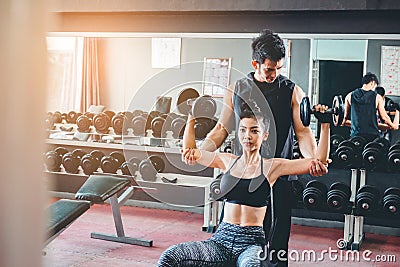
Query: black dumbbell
203, 126
393, 157
314, 195
367, 198
391, 200
359, 143
72, 160
102, 122
130, 167
91, 162
84, 122
296, 150
336, 139
149, 167
204, 107
337, 111
215, 188
338, 196
345, 152
375, 152
185, 100
112, 162
53, 159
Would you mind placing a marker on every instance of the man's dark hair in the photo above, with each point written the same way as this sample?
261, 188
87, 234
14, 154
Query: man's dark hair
380, 90
369, 77
268, 45
250, 109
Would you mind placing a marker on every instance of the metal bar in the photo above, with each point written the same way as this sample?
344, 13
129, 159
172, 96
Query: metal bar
117, 216
123, 239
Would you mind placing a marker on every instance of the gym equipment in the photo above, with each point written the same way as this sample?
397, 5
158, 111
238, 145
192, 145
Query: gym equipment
112, 162
393, 157
53, 161
139, 124
367, 198
130, 167
72, 116
374, 153
57, 117
91, 162
345, 152
189, 100
202, 126
296, 150
157, 125
314, 195
149, 167
118, 122
102, 122
215, 188
335, 141
49, 121
337, 111
178, 127
96, 190
338, 196
84, 122
391, 200
71, 162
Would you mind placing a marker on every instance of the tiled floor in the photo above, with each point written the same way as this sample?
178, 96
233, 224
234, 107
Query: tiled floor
74, 247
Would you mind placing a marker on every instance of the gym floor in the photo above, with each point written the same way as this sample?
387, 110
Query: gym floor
74, 247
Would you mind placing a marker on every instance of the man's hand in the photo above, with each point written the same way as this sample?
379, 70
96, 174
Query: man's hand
318, 168
321, 116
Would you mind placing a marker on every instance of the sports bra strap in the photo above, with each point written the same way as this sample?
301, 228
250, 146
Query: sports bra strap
233, 164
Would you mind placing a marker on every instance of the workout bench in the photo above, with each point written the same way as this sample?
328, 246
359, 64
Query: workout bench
96, 190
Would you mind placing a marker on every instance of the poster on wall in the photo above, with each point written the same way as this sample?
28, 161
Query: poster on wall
166, 53
216, 74
390, 79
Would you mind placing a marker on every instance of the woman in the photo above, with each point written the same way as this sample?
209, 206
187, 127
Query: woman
245, 185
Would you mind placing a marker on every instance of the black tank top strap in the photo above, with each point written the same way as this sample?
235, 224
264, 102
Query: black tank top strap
228, 170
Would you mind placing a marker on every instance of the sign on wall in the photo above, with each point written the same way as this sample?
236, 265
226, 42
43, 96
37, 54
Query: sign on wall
216, 76
390, 60
166, 53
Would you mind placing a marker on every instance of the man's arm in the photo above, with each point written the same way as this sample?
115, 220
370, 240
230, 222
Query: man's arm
385, 117
305, 137
347, 109
218, 134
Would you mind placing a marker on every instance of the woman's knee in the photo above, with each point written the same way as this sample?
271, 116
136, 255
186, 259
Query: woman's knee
170, 257
250, 257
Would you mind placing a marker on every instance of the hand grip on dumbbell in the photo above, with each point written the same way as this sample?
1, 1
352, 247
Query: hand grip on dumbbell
336, 112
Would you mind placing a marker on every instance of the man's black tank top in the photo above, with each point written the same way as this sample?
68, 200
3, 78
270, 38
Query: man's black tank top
364, 121
274, 100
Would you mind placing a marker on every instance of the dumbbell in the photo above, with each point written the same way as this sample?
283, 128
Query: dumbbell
297, 190
91, 162
57, 117
200, 106
337, 111
139, 124
178, 126
338, 196
227, 146
150, 166
119, 123
112, 162
345, 153
53, 159
367, 198
102, 122
72, 116
202, 126
335, 141
314, 195
49, 121
130, 167
215, 188
296, 150
391, 200
157, 126
72, 160
393, 157
84, 122
374, 153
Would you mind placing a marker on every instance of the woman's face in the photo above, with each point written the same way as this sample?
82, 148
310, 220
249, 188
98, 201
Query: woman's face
251, 134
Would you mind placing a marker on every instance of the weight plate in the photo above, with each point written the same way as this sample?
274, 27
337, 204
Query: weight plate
338, 110
341, 187
182, 103
305, 111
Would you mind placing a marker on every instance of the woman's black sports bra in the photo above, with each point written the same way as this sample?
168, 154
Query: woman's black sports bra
254, 192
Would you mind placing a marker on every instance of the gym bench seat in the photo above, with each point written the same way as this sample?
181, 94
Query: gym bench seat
96, 190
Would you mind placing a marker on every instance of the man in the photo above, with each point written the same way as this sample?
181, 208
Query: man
278, 95
362, 106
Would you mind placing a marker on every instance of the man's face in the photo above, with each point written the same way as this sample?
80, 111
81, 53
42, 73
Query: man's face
268, 71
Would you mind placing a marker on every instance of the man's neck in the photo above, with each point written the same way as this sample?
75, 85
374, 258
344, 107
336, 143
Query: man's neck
366, 87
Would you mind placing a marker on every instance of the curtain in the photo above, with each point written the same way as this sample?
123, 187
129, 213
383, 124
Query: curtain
90, 94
